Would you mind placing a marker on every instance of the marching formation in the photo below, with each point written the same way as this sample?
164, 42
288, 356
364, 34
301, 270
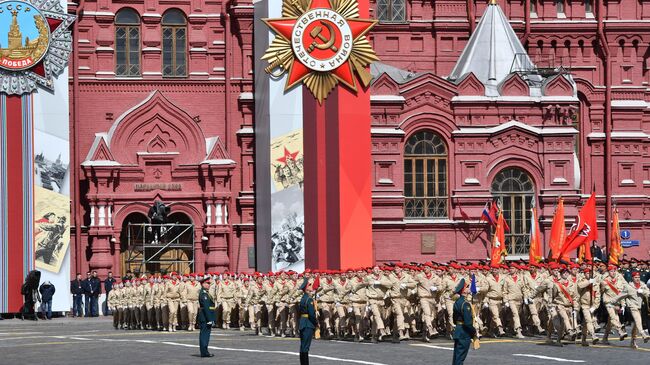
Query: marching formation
399, 302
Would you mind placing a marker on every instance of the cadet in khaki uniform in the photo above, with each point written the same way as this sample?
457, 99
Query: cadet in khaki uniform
113, 303
611, 286
281, 290
377, 286
294, 300
129, 310
449, 283
182, 309
359, 302
401, 283
226, 296
242, 302
269, 301
513, 296
192, 290
326, 298
173, 296
494, 297
634, 293
561, 304
532, 280
589, 298
158, 303
256, 296
149, 312
427, 285
140, 316
341, 288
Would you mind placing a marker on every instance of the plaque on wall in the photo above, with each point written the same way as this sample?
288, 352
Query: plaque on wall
428, 243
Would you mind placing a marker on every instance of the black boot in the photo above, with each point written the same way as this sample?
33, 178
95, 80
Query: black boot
304, 358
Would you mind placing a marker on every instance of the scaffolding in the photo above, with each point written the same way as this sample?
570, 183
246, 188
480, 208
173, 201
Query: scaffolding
160, 247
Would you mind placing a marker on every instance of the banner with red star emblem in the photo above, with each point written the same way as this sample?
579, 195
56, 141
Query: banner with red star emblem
321, 43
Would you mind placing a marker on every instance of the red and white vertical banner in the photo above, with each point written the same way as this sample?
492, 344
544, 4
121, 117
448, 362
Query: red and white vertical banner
322, 46
16, 198
280, 156
34, 148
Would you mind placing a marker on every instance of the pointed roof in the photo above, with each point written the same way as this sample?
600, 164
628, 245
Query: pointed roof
492, 52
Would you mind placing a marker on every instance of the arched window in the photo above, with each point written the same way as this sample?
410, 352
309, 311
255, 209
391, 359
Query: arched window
533, 7
425, 176
174, 36
514, 188
559, 6
127, 43
391, 11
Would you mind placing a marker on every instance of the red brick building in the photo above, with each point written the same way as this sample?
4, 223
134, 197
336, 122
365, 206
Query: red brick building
162, 108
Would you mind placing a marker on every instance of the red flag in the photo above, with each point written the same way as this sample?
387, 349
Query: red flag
535, 253
585, 229
616, 247
498, 242
558, 230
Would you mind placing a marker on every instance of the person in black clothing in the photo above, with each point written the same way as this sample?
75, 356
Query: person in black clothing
77, 290
96, 289
597, 252
88, 293
108, 286
47, 293
29, 290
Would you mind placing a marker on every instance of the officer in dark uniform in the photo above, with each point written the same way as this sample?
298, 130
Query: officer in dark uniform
464, 330
308, 321
207, 317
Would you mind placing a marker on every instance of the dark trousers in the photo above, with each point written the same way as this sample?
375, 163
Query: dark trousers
461, 348
87, 298
46, 308
306, 334
77, 305
204, 338
94, 306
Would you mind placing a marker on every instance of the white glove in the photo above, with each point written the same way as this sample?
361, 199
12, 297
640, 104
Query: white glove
338, 304
592, 310
209, 323
478, 289
507, 304
376, 282
350, 309
402, 286
367, 309
433, 288
317, 296
485, 305
640, 291
526, 301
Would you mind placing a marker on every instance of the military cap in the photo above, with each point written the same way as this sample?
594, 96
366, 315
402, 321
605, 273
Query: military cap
460, 286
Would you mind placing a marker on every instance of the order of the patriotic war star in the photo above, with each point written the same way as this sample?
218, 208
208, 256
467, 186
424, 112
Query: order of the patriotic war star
326, 181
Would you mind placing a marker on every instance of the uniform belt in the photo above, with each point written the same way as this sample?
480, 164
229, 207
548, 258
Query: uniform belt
304, 315
210, 307
460, 322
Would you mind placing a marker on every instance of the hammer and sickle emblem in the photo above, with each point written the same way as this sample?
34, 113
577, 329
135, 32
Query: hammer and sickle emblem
316, 34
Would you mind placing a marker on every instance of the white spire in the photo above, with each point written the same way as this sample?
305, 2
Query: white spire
492, 52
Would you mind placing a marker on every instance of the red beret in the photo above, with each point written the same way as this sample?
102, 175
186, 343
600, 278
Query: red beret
636, 273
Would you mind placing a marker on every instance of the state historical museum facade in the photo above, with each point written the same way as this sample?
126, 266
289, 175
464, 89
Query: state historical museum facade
162, 108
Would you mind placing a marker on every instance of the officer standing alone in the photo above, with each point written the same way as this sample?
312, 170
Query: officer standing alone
308, 321
207, 317
464, 330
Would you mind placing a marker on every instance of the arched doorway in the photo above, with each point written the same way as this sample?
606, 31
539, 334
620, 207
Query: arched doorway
516, 191
131, 244
173, 250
